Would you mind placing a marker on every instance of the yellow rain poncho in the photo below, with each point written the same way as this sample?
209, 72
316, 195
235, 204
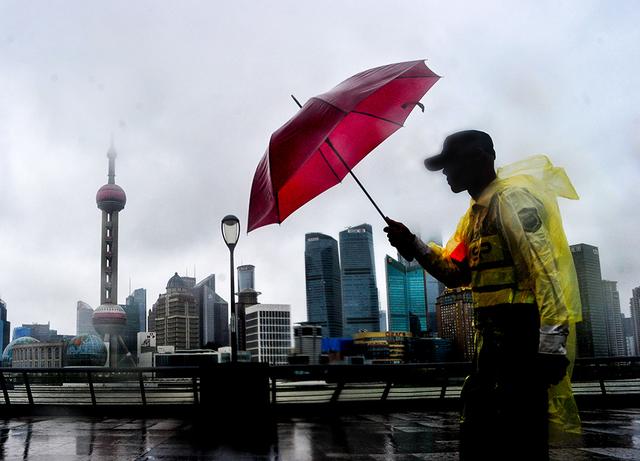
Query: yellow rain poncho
528, 260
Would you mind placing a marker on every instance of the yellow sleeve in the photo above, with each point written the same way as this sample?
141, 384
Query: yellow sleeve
448, 264
525, 225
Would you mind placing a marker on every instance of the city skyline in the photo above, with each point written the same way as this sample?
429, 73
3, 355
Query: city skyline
162, 99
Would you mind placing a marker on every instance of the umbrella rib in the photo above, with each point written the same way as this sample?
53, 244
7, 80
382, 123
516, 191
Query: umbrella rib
418, 76
320, 148
378, 117
328, 164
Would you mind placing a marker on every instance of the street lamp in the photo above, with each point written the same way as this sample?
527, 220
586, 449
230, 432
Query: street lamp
231, 233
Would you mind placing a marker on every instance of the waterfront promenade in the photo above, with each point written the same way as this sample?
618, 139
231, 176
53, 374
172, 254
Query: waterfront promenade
608, 435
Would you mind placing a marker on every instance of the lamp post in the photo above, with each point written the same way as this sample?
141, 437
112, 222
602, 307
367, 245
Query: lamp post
231, 233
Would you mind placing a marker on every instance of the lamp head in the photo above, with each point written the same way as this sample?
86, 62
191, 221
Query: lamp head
230, 230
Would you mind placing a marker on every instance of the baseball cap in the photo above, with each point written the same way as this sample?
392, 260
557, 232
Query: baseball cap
451, 146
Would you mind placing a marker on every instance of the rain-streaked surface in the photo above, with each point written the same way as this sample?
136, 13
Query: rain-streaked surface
608, 434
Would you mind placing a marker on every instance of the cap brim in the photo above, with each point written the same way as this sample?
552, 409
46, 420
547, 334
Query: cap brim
435, 163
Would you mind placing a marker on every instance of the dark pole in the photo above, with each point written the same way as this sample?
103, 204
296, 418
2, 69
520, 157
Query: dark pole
335, 151
234, 334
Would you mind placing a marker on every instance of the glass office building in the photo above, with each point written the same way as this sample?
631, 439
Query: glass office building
246, 277
323, 283
592, 331
360, 304
5, 326
406, 294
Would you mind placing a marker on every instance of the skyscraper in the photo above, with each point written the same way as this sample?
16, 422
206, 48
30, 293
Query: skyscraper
5, 326
434, 289
135, 308
40, 331
269, 332
360, 304
109, 319
246, 277
615, 333
322, 277
592, 331
634, 305
308, 341
627, 329
84, 319
455, 321
382, 315
406, 294
247, 297
139, 298
213, 312
176, 316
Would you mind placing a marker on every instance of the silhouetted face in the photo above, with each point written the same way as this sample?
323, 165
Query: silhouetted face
465, 166
466, 160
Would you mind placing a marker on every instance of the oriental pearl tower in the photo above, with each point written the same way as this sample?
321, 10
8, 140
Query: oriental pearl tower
109, 319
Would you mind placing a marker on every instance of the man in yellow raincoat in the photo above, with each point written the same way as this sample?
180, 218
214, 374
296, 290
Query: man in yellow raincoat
511, 250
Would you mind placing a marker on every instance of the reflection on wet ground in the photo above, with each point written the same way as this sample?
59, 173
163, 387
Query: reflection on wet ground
608, 434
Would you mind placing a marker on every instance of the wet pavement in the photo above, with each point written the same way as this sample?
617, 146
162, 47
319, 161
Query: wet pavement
608, 434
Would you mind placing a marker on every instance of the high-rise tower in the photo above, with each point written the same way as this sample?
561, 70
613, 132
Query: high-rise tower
110, 319
360, 305
5, 326
591, 333
246, 277
323, 283
406, 294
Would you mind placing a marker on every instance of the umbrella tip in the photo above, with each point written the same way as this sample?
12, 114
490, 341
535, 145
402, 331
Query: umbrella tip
296, 101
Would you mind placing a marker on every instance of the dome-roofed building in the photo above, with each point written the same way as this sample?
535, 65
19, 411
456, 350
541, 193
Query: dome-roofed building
7, 354
176, 318
85, 351
176, 284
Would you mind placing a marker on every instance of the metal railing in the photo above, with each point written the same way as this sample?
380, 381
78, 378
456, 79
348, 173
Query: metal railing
289, 385
100, 386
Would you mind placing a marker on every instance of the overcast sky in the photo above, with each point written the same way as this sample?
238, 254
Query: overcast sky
192, 91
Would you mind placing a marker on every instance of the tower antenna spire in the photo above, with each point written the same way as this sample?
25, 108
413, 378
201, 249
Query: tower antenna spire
111, 155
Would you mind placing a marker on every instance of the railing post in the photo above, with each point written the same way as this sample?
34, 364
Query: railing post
27, 386
194, 381
443, 391
142, 393
603, 388
93, 394
336, 393
5, 392
274, 394
385, 392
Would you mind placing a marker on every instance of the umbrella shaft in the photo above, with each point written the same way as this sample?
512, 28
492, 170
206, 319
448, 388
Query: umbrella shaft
335, 151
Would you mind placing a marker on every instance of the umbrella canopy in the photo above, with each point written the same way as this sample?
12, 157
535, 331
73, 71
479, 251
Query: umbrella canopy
302, 159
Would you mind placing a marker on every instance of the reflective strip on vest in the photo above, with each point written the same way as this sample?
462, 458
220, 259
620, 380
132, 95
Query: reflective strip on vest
504, 296
490, 279
492, 298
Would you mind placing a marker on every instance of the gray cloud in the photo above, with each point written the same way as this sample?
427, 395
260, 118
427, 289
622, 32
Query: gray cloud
193, 92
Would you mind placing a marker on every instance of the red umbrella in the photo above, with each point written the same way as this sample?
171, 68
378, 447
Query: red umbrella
330, 134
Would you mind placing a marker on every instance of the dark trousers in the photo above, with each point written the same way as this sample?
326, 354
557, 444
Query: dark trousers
505, 403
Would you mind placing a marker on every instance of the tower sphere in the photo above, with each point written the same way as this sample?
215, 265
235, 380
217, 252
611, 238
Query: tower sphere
109, 319
111, 197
